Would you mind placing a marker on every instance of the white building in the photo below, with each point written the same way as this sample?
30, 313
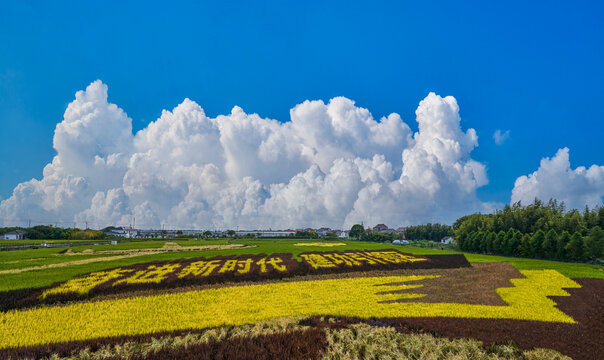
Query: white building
266, 233
123, 232
447, 240
14, 235
323, 231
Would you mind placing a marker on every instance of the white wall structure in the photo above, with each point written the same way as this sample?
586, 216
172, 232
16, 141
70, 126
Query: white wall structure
14, 235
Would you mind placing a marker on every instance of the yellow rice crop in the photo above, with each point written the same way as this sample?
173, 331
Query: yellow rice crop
356, 297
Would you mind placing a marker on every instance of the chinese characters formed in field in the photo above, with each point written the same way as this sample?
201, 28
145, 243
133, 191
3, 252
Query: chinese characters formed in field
351, 259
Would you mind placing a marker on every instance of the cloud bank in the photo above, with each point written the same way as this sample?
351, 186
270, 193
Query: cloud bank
332, 164
555, 179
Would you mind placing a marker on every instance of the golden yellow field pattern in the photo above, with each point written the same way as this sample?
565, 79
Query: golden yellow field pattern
356, 297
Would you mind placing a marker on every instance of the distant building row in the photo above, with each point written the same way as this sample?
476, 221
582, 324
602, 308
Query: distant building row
382, 228
125, 232
14, 235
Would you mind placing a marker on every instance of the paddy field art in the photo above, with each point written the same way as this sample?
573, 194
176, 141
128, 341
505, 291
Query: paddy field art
294, 299
292, 180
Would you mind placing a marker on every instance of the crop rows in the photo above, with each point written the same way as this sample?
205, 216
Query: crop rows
221, 269
363, 297
386, 288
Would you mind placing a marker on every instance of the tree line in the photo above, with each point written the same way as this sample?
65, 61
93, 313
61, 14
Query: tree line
531, 218
432, 232
43, 232
539, 230
358, 232
541, 245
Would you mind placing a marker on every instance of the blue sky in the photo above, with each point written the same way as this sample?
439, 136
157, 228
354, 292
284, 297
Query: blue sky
533, 68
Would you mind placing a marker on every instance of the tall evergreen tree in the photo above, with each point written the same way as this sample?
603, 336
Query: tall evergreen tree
537, 244
508, 248
563, 240
594, 243
482, 246
525, 246
469, 240
498, 243
576, 247
460, 241
550, 244
477, 240
490, 240
515, 243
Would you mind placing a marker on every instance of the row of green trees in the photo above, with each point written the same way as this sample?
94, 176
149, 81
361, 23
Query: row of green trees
43, 232
531, 218
433, 232
358, 232
550, 245
380, 237
306, 234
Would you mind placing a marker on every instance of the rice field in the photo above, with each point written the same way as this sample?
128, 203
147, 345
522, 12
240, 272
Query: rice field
341, 299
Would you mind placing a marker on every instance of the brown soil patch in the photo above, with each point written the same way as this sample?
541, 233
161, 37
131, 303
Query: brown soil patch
475, 285
71, 252
579, 341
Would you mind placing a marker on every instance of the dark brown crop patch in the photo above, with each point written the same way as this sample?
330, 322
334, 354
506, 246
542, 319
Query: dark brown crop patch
222, 269
579, 341
307, 343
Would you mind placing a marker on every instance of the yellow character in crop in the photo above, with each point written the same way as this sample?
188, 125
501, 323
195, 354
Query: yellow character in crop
229, 266
153, 274
244, 265
395, 257
273, 261
362, 257
342, 259
318, 261
200, 268
83, 285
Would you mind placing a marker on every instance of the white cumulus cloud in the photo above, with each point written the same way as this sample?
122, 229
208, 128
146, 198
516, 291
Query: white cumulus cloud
332, 164
556, 179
